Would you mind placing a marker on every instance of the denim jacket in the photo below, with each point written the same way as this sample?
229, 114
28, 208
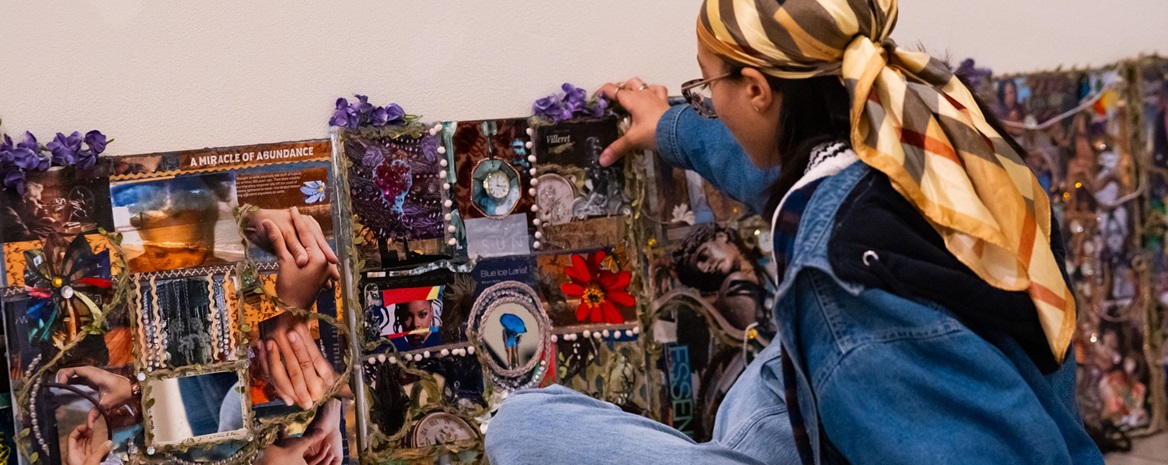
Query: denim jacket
880, 378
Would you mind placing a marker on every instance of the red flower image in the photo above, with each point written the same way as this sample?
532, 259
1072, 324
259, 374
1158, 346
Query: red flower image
598, 289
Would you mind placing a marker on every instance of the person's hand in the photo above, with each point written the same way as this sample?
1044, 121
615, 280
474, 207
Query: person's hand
292, 361
310, 449
646, 105
298, 285
84, 449
113, 391
296, 239
327, 426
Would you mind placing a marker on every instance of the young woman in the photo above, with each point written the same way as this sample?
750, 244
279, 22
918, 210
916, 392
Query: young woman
922, 308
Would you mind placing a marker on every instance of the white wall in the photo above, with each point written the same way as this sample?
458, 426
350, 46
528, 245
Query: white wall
178, 75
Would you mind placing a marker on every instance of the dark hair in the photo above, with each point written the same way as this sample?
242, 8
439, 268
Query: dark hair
1002, 90
818, 110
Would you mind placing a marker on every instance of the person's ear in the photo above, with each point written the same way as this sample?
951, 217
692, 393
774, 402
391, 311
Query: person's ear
761, 96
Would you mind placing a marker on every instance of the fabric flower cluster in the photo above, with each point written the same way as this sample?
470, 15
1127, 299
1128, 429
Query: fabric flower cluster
353, 115
18, 159
573, 102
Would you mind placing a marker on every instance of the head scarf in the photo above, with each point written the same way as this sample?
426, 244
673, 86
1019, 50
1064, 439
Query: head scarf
914, 121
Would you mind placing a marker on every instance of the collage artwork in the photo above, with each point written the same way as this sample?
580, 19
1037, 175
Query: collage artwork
426, 270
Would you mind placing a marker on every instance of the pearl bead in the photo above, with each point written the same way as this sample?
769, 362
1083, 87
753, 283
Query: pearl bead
604, 333
470, 350
453, 242
535, 208
587, 334
637, 330
536, 221
442, 163
451, 229
393, 360
444, 353
442, 174
530, 131
531, 158
528, 144
538, 235
531, 192
372, 361
535, 244
381, 357
447, 203
532, 171
446, 185
441, 150
555, 338
535, 181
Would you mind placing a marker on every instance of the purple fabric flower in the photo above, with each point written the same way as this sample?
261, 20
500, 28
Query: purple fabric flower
27, 156
394, 114
96, 141
65, 148
344, 115
546, 106
14, 180
573, 93
6, 144
86, 159
362, 108
598, 108
378, 117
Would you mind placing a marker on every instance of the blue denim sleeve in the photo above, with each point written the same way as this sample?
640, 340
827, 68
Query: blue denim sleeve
688, 141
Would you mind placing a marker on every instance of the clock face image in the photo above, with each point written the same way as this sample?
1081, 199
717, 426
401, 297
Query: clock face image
497, 185
496, 188
555, 197
441, 428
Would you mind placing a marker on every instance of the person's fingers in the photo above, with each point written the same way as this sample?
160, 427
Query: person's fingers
615, 150
90, 419
304, 233
278, 377
634, 84
261, 355
323, 368
312, 379
606, 91
296, 376
277, 239
75, 436
65, 376
101, 451
323, 455
322, 241
660, 91
334, 272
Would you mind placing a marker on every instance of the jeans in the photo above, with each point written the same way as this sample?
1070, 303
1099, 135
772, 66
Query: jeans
558, 426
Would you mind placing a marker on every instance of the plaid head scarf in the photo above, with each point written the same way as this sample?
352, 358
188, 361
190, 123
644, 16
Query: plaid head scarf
914, 121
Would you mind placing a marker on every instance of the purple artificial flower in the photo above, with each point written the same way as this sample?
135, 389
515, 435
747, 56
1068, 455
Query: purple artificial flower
6, 144
362, 108
26, 155
15, 180
378, 117
96, 141
86, 159
546, 107
344, 116
573, 93
394, 114
598, 108
64, 149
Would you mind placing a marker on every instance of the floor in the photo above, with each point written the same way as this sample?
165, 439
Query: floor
1145, 451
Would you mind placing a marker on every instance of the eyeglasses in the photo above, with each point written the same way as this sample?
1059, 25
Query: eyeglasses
697, 93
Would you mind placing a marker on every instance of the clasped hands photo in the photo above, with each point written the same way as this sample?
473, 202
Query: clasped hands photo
813, 244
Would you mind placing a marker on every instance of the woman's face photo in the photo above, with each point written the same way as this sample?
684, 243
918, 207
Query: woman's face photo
414, 315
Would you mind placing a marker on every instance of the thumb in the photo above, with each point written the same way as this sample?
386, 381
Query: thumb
615, 151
